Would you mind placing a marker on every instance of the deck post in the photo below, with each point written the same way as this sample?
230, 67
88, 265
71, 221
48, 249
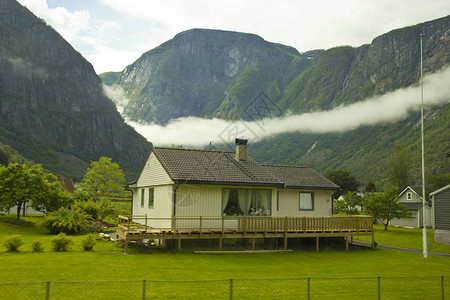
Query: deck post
285, 232
346, 243
253, 244
200, 226
373, 240
126, 244
179, 243
317, 244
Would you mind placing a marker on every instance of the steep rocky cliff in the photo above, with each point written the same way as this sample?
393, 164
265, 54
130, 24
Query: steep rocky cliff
206, 73
211, 73
344, 75
52, 106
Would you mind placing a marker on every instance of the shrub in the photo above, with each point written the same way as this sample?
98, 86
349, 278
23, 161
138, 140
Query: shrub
88, 242
37, 246
96, 210
61, 242
89, 207
13, 243
107, 209
97, 226
66, 221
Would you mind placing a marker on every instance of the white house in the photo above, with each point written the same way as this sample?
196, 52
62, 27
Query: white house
410, 198
183, 182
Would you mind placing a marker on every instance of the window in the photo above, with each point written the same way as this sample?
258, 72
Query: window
278, 200
151, 197
142, 197
246, 202
306, 201
408, 196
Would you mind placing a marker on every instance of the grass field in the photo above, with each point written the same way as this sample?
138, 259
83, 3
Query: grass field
406, 238
108, 263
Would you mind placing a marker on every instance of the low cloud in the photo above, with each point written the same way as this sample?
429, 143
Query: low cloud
387, 108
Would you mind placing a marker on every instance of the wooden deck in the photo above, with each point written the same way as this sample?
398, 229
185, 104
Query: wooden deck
138, 227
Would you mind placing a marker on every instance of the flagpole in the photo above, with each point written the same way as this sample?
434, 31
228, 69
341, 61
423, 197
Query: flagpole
424, 230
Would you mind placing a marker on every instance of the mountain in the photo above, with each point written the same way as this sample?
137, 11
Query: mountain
52, 106
213, 73
204, 73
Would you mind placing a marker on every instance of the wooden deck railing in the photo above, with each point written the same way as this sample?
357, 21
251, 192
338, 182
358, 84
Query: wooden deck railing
143, 224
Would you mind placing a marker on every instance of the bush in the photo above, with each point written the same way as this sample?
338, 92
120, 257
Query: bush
96, 210
37, 246
88, 243
13, 243
89, 207
97, 226
61, 242
107, 209
66, 221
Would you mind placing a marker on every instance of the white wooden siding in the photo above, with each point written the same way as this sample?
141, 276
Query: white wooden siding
153, 173
289, 204
162, 207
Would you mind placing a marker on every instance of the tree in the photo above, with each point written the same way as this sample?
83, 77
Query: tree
384, 206
399, 166
370, 187
349, 205
344, 179
20, 184
103, 178
436, 182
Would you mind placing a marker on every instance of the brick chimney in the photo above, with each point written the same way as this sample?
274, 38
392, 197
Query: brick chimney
241, 149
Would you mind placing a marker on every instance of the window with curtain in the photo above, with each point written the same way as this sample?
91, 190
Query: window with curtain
142, 197
306, 201
246, 202
151, 197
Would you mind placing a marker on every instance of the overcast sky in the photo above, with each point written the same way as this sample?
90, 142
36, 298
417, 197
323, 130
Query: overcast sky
112, 34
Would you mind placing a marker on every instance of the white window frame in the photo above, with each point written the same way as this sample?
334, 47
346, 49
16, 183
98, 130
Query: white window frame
409, 196
142, 197
300, 201
151, 197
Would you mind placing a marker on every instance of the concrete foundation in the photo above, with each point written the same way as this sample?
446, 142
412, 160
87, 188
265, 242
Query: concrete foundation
442, 236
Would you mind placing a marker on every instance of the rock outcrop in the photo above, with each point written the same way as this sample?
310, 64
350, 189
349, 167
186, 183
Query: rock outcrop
52, 105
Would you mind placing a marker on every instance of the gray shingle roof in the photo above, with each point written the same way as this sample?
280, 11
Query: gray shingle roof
301, 177
212, 167
221, 167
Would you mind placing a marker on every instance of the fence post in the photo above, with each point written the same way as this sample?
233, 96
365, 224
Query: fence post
231, 289
47, 293
442, 287
143, 290
379, 287
308, 289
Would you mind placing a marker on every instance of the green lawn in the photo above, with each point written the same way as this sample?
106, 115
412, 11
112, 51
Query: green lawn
406, 238
250, 272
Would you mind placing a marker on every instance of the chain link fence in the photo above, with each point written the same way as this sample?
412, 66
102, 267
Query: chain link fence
286, 288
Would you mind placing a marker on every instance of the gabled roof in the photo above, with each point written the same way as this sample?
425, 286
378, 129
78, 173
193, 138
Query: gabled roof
212, 167
221, 167
301, 177
412, 189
